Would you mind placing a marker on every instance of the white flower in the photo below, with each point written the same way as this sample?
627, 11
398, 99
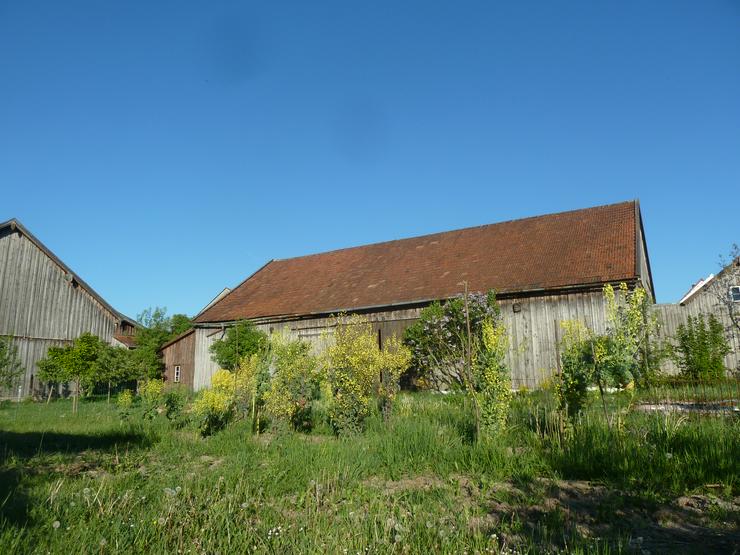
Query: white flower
56, 524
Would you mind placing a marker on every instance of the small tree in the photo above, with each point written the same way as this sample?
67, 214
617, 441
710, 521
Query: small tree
493, 380
179, 323
358, 372
154, 332
721, 289
10, 363
623, 354
54, 368
74, 363
294, 384
441, 338
577, 367
114, 366
241, 340
701, 347
393, 360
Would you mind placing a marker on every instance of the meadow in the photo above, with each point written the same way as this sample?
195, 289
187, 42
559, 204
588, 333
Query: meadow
101, 481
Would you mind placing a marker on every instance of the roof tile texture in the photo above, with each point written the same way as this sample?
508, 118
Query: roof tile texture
588, 246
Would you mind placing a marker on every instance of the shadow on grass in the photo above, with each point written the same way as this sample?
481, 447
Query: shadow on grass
25, 445
13, 501
29, 444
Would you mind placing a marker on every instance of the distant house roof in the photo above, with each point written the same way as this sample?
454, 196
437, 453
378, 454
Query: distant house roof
698, 286
225, 291
579, 248
15, 225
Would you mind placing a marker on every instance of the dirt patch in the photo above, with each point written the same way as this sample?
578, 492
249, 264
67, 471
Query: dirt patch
585, 510
211, 462
393, 487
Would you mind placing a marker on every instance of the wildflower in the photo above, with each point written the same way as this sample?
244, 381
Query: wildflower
86, 491
161, 521
244, 505
169, 492
56, 524
103, 542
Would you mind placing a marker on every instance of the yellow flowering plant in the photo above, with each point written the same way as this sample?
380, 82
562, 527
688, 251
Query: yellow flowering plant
358, 372
152, 397
493, 389
216, 406
294, 383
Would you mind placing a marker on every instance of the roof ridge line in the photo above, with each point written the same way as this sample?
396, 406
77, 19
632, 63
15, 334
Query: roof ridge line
526, 218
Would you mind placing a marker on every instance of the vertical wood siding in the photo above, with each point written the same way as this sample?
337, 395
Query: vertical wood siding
204, 366
39, 307
181, 353
534, 332
673, 315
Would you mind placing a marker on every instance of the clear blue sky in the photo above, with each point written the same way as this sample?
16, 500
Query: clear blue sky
165, 150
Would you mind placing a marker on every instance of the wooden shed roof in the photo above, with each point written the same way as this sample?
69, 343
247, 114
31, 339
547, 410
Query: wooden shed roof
579, 248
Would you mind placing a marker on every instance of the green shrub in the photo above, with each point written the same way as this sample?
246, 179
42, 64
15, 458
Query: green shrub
215, 407
10, 364
438, 340
359, 372
174, 405
152, 397
701, 347
241, 340
462, 345
294, 384
577, 368
493, 379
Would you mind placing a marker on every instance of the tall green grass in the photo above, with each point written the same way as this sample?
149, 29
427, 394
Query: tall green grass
93, 483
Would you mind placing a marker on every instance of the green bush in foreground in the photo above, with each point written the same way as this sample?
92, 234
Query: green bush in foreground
700, 348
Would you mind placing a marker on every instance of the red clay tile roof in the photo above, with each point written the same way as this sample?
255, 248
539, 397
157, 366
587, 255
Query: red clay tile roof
128, 340
581, 247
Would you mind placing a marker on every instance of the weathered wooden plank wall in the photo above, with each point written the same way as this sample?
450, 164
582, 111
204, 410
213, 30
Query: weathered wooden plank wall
181, 353
534, 333
204, 366
41, 307
673, 315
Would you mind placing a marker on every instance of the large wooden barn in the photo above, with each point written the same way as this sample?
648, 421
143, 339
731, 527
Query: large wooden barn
546, 269
43, 303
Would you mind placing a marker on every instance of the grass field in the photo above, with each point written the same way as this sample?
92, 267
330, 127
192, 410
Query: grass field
94, 483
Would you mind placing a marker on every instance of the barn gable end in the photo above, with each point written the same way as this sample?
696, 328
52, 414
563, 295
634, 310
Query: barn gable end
44, 304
